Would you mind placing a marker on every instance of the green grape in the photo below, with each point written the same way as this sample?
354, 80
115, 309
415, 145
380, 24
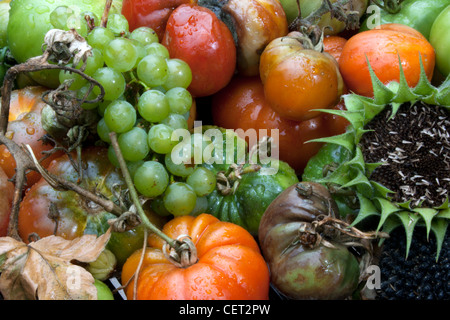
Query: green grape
133, 144
201, 206
78, 23
140, 49
59, 17
153, 106
152, 70
103, 131
132, 167
151, 179
157, 49
179, 74
81, 93
176, 121
179, 199
160, 138
118, 24
99, 37
157, 205
112, 157
144, 35
102, 107
120, 116
180, 100
113, 83
93, 63
91, 16
177, 168
120, 54
202, 180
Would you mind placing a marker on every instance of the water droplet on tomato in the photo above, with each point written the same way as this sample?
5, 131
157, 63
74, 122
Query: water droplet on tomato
5, 154
30, 130
9, 134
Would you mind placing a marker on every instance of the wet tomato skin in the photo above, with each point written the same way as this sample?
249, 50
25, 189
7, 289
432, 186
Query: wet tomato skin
195, 35
242, 105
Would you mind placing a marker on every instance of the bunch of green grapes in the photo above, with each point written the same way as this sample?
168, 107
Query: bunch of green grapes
145, 119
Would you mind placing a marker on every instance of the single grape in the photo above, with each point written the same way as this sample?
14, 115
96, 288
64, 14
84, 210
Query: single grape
157, 49
99, 37
179, 74
176, 121
120, 54
144, 35
118, 24
132, 167
179, 199
133, 144
112, 157
152, 70
112, 81
179, 168
180, 100
93, 63
160, 138
120, 116
103, 131
153, 106
157, 205
151, 179
81, 94
202, 180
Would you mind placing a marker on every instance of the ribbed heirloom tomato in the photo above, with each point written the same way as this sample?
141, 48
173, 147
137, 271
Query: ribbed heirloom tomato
195, 35
383, 48
229, 267
298, 79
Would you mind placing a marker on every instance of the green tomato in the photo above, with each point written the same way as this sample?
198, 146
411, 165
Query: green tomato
4, 18
29, 21
307, 7
103, 291
440, 40
249, 196
417, 14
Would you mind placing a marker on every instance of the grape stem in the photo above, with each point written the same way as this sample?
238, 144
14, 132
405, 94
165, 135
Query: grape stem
134, 195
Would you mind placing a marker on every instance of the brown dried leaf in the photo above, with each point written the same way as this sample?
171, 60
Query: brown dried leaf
44, 270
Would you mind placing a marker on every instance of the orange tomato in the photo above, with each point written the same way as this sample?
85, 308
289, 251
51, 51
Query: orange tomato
6, 199
242, 105
25, 127
229, 266
383, 48
298, 79
334, 45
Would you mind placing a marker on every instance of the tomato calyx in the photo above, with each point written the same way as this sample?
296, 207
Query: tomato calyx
391, 6
337, 10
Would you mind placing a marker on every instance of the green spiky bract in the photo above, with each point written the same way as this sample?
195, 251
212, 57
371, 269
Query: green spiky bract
354, 174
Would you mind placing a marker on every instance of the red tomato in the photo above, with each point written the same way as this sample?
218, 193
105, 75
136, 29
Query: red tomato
150, 13
334, 45
6, 198
195, 35
242, 105
383, 47
25, 127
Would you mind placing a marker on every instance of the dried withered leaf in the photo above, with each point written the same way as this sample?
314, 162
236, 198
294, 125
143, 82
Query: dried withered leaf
44, 270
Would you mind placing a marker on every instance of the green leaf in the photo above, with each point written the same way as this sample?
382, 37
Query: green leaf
366, 209
404, 92
347, 140
387, 208
427, 215
409, 221
439, 228
382, 95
